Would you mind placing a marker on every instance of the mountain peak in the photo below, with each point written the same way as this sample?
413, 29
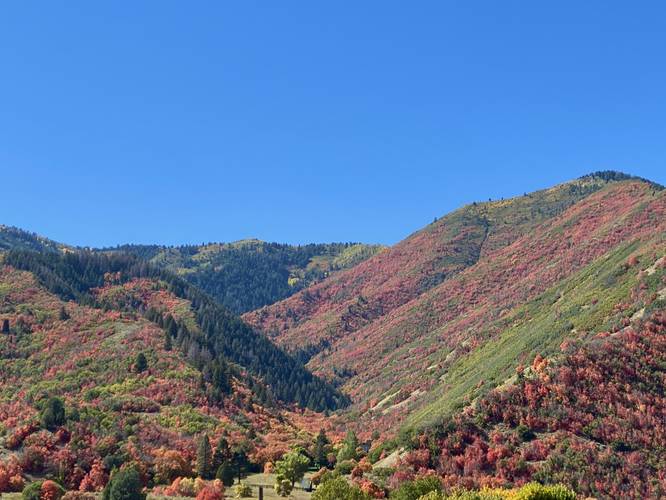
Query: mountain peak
616, 175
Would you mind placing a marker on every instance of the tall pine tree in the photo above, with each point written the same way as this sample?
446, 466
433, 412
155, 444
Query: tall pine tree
204, 458
321, 449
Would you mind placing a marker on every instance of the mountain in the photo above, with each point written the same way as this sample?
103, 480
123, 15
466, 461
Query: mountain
13, 238
509, 341
249, 274
142, 362
419, 329
210, 335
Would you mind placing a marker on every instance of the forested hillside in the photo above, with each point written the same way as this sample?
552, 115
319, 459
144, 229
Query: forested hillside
249, 274
212, 337
94, 384
432, 338
15, 238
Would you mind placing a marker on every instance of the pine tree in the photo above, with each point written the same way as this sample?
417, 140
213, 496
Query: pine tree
5, 326
53, 414
348, 449
222, 453
321, 449
63, 316
225, 473
141, 363
167, 342
204, 458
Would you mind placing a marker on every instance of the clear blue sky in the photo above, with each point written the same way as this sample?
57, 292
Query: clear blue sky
175, 122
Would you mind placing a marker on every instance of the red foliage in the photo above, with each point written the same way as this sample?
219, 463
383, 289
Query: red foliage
599, 414
96, 479
371, 489
209, 492
51, 491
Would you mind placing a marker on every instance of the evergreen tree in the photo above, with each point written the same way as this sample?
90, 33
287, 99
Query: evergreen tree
239, 457
225, 473
141, 363
349, 445
221, 454
125, 484
321, 449
204, 457
167, 342
53, 414
5, 326
62, 315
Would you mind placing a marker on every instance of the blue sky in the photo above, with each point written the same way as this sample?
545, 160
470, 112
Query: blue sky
185, 122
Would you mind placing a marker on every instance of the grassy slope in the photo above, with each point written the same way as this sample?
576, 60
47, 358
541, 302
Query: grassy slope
418, 344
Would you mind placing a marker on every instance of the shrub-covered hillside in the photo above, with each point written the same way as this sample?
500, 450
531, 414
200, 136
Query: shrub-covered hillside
88, 387
593, 417
210, 339
249, 274
423, 328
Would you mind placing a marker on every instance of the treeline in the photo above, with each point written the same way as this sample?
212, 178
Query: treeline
613, 175
223, 336
13, 237
248, 275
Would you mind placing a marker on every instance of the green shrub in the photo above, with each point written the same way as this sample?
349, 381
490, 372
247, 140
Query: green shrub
338, 489
413, 490
345, 467
242, 490
32, 491
283, 486
433, 495
536, 491
480, 495
225, 473
525, 433
53, 414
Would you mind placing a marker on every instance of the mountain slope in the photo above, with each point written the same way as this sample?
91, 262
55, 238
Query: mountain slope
415, 265
404, 349
115, 410
210, 337
12, 238
249, 274
592, 417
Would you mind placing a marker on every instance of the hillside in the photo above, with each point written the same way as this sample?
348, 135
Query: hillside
12, 238
592, 417
249, 274
425, 327
115, 411
210, 336
74, 327
509, 341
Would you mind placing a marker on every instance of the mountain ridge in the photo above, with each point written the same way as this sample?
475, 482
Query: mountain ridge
327, 329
